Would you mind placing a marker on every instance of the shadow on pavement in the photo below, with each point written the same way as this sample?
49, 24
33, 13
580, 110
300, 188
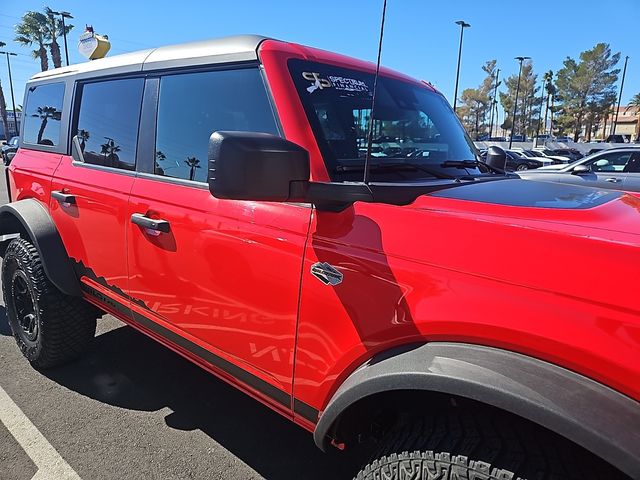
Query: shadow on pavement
4, 322
126, 369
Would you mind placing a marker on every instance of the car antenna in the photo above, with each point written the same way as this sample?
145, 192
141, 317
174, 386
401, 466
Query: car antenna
373, 98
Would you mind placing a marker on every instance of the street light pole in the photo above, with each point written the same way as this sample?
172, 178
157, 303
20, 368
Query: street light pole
540, 110
463, 25
13, 100
64, 32
624, 73
495, 92
515, 104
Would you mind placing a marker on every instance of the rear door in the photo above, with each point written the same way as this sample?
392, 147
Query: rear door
632, 169
89, 197
218, 278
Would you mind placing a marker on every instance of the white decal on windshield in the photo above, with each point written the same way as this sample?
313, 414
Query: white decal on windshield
348, 84
318, 82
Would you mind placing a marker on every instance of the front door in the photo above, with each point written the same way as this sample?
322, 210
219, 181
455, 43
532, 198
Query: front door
223, 275
89, 198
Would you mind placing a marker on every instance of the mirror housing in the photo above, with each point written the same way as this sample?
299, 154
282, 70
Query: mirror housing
256, 166
580, 170
496, 158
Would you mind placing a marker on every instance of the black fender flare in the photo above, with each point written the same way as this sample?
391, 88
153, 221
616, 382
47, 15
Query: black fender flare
600, 419
30, 216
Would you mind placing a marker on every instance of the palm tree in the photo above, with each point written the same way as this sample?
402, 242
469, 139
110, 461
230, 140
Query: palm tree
110, 151
33, 29
3, 107
635, 102
53, 30
83, 135
193, 163
45, 113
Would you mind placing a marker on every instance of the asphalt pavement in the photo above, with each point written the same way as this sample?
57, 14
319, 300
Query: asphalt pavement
132, 409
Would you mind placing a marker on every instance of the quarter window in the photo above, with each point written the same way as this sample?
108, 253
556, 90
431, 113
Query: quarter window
43, 113
194, 105
108, 120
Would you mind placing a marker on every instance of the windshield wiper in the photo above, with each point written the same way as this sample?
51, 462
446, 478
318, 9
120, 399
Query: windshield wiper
396, 166
460, 163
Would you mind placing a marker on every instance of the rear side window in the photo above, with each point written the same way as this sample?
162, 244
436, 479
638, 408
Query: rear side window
42, 115
108, 120
194, 105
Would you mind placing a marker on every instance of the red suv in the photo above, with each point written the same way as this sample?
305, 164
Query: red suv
429, 311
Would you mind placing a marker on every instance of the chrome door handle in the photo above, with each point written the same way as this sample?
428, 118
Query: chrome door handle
612, 180
151, 225
65, 199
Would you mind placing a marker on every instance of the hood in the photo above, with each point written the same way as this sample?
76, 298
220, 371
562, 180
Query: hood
546, 202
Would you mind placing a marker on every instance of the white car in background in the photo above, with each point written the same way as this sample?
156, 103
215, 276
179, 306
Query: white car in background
537, 155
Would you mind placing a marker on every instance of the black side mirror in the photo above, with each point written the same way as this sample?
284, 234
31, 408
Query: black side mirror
256, 166
580, 170
496, 158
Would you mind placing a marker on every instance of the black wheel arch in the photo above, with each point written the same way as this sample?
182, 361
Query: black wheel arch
30, 219
598, 418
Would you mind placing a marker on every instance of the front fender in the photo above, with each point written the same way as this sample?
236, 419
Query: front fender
31, 218
588, 413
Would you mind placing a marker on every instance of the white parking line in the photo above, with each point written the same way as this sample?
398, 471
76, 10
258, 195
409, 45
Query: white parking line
49, 462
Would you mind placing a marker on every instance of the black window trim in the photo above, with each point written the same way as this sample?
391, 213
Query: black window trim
60, 147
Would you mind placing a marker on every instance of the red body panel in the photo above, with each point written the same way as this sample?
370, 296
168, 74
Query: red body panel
228, 273
93, 230
233, 278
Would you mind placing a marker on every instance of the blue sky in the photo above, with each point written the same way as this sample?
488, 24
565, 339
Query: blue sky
421, 38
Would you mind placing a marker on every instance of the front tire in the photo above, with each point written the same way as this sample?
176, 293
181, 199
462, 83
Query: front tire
478, 445
50, 328
522, 167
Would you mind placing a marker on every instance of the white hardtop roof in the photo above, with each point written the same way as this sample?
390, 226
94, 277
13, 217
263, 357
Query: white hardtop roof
222, 50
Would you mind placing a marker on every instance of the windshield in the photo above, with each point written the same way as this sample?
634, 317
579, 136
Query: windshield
415, 131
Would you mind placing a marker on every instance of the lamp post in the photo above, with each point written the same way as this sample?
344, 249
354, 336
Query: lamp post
495, 93
515, 104
540, 111
624, 73
463, 25
64, 32
13, 100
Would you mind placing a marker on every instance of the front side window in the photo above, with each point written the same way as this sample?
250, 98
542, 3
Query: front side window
191, 106
42, 115
108, 120
411, 124
611, 162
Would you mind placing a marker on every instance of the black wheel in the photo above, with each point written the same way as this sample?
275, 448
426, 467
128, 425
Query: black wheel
50, 327
480, 445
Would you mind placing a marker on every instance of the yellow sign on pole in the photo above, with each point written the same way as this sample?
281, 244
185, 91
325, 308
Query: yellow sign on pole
93, 46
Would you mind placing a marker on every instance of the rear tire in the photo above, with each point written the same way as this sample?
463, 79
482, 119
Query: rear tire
522, 167
480, 445
50, 328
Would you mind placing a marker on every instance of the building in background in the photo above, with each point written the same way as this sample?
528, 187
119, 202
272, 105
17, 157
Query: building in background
12, 126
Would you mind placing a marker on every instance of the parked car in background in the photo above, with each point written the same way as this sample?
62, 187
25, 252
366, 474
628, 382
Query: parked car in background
564, 139
551, 154
616, 139
571, 153
617, 169
11, 147
535, 155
